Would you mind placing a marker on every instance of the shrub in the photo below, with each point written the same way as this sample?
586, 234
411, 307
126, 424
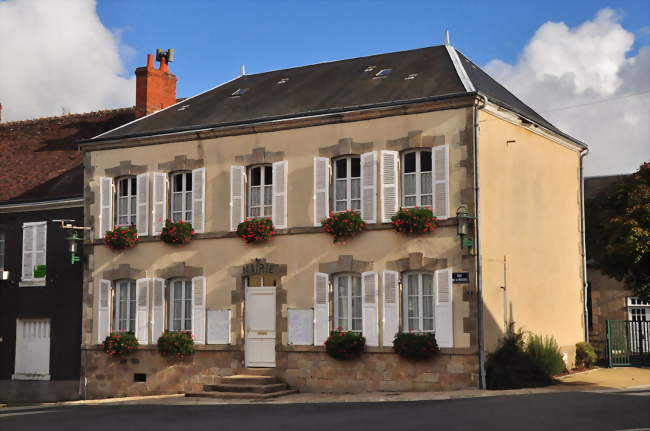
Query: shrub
345, 345
256, 229
509, 367
342, 225
414, 220
585, 355
120, 343
177, 233
121, 238
176, 343
415, 345
545, 354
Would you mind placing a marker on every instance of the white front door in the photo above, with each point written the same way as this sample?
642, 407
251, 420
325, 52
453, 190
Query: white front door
32, 349
260, 327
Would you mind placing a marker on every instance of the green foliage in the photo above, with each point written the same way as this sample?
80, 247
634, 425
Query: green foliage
618, 231
344, 345
510, 367
120, 343
415, 345
121, 238
342, 225
177, 233
545, 354
256, 229
414, 220
585, 355
176, 343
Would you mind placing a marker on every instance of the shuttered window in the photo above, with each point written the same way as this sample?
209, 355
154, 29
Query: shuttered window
34, 249
260, 191
126, 201
419, 302
348, 304
181, 196
125, 306
180, 311
417, 182
347, 184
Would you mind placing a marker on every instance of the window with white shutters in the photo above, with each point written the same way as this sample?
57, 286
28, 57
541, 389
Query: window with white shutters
417, 181
348, 314
180, 301
126, 200
34, 249
260, 191
347, 184
125, 306
181, 196
419, 302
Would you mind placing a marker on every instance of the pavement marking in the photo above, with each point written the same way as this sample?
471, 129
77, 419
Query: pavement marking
29, 413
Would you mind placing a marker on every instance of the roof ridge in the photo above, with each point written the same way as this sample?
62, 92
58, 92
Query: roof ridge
65, 117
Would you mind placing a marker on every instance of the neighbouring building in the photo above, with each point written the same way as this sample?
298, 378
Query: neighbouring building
425, 127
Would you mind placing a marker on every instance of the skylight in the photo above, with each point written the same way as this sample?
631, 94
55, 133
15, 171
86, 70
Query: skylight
283, 81
369, 68
383, 73
239, 92
411, 76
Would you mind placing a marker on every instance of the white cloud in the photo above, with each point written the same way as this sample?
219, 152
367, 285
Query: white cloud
586, 68
57, 55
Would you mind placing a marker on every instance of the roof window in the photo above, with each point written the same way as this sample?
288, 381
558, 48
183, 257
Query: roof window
283, 81
383, 73
369, 68
239, 92
184, 107
411, 76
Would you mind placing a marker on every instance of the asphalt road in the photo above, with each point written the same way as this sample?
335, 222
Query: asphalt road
572, 411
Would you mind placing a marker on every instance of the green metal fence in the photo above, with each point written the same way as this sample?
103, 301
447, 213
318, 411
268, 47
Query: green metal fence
628, 343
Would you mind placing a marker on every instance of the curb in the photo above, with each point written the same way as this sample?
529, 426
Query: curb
97, 401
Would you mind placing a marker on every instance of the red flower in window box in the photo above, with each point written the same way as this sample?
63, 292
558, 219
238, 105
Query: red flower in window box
256, 229
416, 220
120, 343
177, 232
121, 237
342, 225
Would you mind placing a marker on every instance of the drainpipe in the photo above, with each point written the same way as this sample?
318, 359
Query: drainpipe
583, 153
477, 243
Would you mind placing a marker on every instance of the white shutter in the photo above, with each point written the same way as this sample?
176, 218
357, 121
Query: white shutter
321, 189
389, 179
104, 315
368, 187
40, 244
321, 308
106, 206
142, 208
158, 309
441, 181
159, 202
280, 173
443, 312
237, 206
390, 282
198, 200
142, 310
369, 292
28, 251
198, 309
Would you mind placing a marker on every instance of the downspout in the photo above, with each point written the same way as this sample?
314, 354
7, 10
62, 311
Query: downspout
477, 242
585, 284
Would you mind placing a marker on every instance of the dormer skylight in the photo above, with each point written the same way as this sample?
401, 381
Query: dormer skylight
239, 92
383, 73
283, 81
411, 76
369, 68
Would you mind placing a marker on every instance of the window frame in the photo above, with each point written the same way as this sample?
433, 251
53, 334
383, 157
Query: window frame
420, 297
186, 296
418, 178
132, 208
350, 318
3, 242
131, 305
348, 179
635, 308
186, 207
263, 205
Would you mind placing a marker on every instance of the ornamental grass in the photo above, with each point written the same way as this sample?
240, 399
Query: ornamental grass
256, 229
177, 232
120, 343
344, 345
415, 220
343, 225
122, 237
176, 343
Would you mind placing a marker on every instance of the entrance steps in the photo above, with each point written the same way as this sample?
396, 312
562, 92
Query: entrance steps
245, 386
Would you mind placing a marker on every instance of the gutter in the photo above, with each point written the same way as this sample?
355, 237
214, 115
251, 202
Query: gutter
585, 284
42, 205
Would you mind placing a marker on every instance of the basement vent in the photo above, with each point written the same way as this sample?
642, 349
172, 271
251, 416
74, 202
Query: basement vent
383, 73
283, 81
239, 92
139, 377
411, 76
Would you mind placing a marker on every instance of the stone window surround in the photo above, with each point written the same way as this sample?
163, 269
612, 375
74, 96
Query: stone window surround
345, 147
123, 271
180, 163
125, 168
345, 264
416, 262
259, 156
415, 139
178, 270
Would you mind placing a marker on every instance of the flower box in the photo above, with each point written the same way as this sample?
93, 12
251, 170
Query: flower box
177, 232
416, 220
343, 225
256, 229
121, 237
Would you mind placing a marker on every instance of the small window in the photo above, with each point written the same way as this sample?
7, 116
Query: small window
411, 76
283, 81
417, 180
2, 250
181, 199
347, 302
125, 306
126, 201
260, 191
419, 302
383, 73
239, 92
180, 311
347, 184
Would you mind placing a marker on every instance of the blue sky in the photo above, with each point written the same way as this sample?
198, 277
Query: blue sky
213, 38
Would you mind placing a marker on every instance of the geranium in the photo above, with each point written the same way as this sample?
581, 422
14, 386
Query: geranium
415, 345
345, 344
120, 343
121, 237
414, 220
176, 343
256, 229
342, 225
177, 233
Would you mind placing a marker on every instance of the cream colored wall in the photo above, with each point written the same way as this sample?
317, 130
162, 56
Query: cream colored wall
530, 214
302, 253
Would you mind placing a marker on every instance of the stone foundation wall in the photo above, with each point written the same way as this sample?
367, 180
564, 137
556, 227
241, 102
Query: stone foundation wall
310, 371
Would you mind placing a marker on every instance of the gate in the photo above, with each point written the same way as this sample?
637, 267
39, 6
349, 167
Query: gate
628, 343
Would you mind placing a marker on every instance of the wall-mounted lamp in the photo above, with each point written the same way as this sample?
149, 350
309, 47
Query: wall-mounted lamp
464, 219
73, 246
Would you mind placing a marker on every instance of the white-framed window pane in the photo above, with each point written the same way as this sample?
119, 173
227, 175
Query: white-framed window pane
356, 302
427, 302
181, 305
417, 178
126, 201
125, 307
348, 307
419, 294
413, 308
347, 184
260, 191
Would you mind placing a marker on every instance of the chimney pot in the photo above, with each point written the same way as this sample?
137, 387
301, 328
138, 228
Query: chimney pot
155, 89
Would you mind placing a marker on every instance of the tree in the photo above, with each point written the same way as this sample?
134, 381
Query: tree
618, 231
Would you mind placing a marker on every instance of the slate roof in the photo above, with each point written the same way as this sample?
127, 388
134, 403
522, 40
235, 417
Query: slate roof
336, 86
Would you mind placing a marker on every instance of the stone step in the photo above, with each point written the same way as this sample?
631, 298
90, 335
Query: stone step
253, 388
240, 395
257, 371
247, 379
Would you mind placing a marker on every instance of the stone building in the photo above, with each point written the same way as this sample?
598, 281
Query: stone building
425, 127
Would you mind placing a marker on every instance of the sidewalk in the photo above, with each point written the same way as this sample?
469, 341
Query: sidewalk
617, 378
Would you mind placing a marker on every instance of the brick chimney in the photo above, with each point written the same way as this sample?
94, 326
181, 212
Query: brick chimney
155, 89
